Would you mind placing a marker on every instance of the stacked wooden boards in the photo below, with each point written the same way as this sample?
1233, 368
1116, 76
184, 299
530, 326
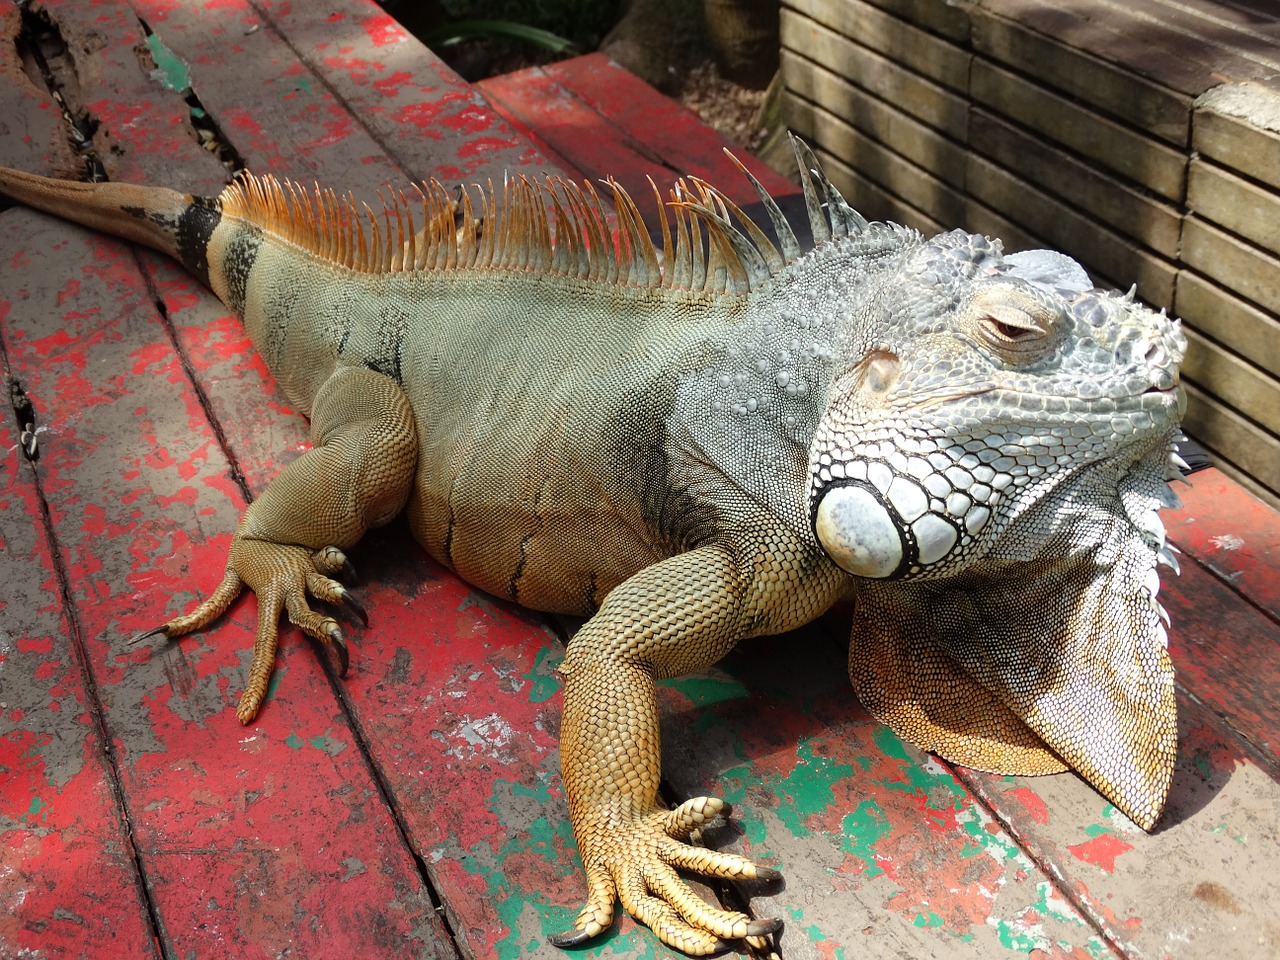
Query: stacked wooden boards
413, 808
1142, 138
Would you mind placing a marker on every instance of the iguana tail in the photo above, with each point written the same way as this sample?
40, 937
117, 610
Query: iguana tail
176, 224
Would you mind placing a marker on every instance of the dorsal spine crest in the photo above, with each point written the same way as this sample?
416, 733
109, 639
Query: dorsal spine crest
553, 226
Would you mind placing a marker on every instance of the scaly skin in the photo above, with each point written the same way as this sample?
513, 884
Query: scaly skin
973, 445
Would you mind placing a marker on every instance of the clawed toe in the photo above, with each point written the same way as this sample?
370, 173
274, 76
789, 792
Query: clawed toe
160, 631
569, 938
339, 644
331, 560
762, 928
347, 601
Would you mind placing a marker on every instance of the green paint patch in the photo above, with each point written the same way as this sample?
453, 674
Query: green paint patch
328, 744
542, 679
999, 846
706, 691
817, 936
1012, 937
273, 683
927, 918
917, 777
37, 809
170, 70
294, 742
807, 790
1224, 828
863, 828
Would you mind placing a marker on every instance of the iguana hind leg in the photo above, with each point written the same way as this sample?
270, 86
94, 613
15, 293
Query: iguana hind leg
291, 539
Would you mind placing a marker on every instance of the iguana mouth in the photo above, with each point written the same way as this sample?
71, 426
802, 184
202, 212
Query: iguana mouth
941, 398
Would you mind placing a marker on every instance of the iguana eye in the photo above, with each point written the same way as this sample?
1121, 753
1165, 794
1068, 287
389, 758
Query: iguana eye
1014, 323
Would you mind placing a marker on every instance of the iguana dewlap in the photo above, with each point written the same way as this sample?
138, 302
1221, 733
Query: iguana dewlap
709, 442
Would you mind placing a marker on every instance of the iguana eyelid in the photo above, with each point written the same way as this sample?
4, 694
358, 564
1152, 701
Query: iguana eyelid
1013, 323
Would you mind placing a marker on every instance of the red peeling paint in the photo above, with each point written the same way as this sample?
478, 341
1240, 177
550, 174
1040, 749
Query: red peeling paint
383, 30
1035, 807
1101, 851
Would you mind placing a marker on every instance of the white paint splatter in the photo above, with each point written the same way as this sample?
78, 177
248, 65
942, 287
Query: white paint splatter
1227, 541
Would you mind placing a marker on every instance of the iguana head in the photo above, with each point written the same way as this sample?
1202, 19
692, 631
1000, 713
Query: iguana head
982, 384
988, 466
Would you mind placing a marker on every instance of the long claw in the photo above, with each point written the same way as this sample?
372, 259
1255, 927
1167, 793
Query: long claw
767, 873
762, 928
339, 644
570, 938
349, 601
161, 631
348, 572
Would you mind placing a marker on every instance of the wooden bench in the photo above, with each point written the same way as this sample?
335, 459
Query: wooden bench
414, 807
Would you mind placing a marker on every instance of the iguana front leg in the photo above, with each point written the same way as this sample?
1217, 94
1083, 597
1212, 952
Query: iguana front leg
289, 543
675, 617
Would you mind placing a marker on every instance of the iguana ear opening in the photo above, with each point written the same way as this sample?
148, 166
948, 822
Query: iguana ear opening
1025, 669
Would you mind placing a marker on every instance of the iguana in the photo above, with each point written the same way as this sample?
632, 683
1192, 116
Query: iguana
708, 441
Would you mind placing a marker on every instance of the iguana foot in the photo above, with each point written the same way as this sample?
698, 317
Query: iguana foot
636, 863
282, 576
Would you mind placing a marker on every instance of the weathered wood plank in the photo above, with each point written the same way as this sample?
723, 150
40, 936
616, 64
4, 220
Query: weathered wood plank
134, 473
278, 113
1097, 247
1233, 202
143, 130
878, 75
401, 93
889, 170
866, 196
1169, 44
1234, 381
1116, 146
656, 123
899, 41
1083, 185
1240, 448
566, 125
1246, 27
69, 886
943, 17
1244, 268
1209, 618
594, 108
32, 135
1231, 533
1063, 57
1238, 125
1235, 323
872, 116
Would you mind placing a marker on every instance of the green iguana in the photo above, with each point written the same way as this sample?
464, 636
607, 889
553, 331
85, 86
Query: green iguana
706, 442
